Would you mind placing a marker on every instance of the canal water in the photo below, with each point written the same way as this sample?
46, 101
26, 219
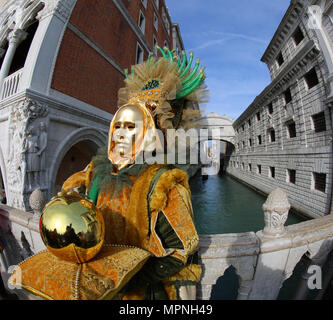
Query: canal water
223, 205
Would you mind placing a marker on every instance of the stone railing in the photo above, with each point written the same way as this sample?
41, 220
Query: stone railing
11, 84
262, 260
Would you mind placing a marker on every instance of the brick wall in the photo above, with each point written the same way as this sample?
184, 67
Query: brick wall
81, 71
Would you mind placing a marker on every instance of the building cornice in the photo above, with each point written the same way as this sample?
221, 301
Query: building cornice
176, 27
282, 81
288, 20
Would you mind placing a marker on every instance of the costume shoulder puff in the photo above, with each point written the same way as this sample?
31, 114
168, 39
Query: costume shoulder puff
169, 180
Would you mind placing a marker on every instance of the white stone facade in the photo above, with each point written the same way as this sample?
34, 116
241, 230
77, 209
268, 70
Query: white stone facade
297, 156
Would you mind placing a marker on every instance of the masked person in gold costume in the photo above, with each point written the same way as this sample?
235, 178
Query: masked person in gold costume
148, 205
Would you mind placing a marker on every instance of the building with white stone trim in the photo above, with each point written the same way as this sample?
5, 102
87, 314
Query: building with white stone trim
284, 138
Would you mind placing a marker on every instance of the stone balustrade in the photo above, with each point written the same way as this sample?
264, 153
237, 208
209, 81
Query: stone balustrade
262, 260
11, 84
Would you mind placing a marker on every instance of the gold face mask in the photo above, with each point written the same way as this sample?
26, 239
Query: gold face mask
127, 127
127, 134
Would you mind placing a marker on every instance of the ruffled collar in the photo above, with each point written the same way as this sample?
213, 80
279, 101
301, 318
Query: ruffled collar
108, 179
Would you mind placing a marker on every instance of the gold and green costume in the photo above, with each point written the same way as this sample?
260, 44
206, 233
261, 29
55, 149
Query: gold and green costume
153, 212
150, 243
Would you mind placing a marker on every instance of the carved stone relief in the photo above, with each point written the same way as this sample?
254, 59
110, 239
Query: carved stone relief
60, 8
26, 167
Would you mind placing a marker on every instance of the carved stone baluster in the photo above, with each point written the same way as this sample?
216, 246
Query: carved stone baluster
37, 203
276, 210
270, 269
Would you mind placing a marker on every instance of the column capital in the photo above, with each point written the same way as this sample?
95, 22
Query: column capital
60, 8
16, 36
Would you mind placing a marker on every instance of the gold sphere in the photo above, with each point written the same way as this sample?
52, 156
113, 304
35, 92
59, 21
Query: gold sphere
72, 228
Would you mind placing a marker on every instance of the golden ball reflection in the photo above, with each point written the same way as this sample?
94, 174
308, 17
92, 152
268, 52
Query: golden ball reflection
72, 228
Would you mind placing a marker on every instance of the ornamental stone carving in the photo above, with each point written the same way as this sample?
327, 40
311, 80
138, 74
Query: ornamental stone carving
26, 152
61, 8
16, 36
276, 210
37, 203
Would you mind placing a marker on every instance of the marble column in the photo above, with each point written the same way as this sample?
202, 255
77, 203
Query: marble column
15, 37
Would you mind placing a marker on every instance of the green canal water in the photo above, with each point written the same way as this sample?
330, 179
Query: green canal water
223, 205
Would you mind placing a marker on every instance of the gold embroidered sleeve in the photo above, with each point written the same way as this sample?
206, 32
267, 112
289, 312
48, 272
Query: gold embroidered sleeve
172, 230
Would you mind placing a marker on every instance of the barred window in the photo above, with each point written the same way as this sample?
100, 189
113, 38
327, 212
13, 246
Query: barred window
311, 78
291, 176
298, 36
287, 96
280, 59
292, 130
272, 135
250, 167
319, 181
259, 168
272, 172
319, 122
259, 140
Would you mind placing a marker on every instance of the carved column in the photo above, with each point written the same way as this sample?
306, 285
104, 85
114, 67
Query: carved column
15, 38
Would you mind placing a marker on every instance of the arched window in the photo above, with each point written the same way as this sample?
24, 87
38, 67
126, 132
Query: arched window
22, 50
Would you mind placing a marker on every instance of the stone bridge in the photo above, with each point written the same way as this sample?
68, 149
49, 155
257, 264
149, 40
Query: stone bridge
262, 260
221, 125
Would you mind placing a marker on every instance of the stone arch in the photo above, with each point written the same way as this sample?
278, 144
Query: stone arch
31, 13
88, 135
213, 121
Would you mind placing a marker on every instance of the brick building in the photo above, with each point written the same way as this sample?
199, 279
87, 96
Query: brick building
284, 138
62, 63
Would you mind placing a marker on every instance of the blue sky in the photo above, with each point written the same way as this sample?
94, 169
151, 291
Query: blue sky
230, 38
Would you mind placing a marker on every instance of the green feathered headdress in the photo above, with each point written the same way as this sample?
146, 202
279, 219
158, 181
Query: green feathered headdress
170, 87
